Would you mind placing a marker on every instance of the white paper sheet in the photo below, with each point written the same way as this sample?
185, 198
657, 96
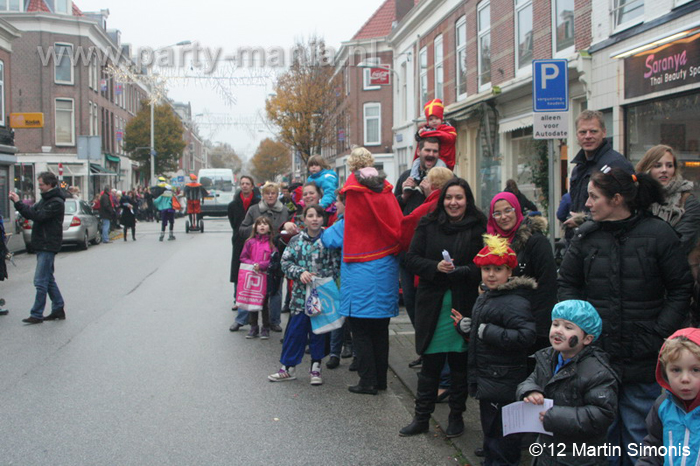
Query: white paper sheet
524, 417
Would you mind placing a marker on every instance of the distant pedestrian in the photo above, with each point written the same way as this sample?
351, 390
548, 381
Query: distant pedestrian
128, 215
167, 204
525, 203
3, 254
107, 213
47, 235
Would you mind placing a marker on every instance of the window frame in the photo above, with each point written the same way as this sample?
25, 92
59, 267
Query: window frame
460, 50
64, 57
72, 123
2, 94
517, 8
20, 6
365, 120
67, 3
423, 76
570, 49
481, 33
616, 8
439, 68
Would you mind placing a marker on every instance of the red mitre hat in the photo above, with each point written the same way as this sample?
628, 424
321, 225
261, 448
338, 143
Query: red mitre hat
496, 252
434, 107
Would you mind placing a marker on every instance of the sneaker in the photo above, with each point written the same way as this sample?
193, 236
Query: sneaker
4, 312
282, 375
264, 333
253, 332
316, 378
235, 327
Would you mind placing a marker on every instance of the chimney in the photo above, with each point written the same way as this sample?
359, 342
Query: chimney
402, 9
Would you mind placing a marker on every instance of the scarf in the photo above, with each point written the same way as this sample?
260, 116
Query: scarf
492, 228
672, 209
372, 222
246, 201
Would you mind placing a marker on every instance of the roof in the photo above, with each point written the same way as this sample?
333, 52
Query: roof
40, 5
379, 24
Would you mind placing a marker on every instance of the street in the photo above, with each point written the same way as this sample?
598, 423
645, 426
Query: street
145, 371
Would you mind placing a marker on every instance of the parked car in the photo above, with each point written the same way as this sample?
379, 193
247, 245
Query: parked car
80, 226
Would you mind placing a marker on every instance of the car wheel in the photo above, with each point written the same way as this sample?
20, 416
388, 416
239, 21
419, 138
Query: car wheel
85, 243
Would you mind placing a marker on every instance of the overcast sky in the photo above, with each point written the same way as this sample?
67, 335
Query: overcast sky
228, 26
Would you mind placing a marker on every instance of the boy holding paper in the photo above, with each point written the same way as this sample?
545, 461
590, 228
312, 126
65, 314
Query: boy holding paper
582, 384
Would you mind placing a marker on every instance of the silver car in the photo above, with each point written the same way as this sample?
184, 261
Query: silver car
80, 226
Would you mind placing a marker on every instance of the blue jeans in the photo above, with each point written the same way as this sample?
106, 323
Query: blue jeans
629, 427
45, 283
105, 230
242, 316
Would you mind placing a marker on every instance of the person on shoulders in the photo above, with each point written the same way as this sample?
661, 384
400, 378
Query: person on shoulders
321, 174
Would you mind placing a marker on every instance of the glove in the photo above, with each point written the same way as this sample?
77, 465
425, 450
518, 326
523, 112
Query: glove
480, 332
465, 325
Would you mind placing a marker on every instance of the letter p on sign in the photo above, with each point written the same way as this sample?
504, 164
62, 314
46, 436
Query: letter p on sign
550, 71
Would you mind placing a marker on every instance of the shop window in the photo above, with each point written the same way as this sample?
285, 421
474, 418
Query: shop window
627, 12
24, 181
523, 35
65, 122
63, 66
672, 122
484, 47
563, 24
372, 123
439, 68
423, 62
461, 57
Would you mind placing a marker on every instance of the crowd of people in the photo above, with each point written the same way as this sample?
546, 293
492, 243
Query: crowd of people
602, 334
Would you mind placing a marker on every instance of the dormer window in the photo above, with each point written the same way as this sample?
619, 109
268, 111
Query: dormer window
63, 6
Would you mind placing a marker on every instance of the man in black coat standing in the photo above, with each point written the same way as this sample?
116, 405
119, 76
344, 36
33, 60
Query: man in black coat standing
246, 197
47, 235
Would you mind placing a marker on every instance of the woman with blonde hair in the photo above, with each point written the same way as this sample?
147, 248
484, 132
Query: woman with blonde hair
681, 208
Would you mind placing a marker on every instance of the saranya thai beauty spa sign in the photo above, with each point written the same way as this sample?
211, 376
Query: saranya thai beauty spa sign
665, 67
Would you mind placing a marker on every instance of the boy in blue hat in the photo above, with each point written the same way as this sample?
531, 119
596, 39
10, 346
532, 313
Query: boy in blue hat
582, 384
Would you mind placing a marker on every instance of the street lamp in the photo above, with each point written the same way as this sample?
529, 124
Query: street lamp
153, 136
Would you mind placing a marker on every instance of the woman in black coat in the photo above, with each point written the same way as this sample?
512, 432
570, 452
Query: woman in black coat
128, 215
630, 266
246, 197
455, 226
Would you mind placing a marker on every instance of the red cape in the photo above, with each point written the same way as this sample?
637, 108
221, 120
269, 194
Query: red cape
372, 222
410, 221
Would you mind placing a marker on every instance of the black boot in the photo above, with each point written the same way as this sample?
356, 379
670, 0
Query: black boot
425, 405
455, 426
458, 403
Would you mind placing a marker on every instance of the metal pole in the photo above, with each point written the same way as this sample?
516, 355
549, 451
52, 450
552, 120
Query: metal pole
153, 149
551, 214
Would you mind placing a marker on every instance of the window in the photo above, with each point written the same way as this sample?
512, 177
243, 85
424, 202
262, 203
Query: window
461, 57
63, 68
404, 91
484, 50
563, 19
65, 122
63, 6
373, 123
2, 93
423, 62
10, 5
523, 25
626, 11
366, 74
439, 68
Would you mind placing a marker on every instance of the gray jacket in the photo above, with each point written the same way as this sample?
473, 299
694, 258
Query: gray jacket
278, 215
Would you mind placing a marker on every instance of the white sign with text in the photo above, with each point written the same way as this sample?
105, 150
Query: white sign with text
551, 125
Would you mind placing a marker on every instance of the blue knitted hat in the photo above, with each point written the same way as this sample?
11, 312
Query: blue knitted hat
582, 313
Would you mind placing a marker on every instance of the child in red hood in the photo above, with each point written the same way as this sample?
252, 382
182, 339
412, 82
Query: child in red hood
435, 128
674, 420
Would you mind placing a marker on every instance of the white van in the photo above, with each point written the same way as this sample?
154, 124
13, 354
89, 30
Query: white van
219, 184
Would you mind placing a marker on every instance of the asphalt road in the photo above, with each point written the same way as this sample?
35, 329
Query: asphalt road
145, 372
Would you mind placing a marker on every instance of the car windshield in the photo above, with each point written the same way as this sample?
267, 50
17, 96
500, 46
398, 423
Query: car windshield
217, 183
71, 207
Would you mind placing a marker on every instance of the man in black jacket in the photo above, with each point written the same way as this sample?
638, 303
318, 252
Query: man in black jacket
47, 235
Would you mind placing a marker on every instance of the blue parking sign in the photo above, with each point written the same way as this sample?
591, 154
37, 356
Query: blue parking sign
550, 85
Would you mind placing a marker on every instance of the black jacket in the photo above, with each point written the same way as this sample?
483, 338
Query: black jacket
581, 174
415, 198
636, 275
47, 215
498, 360
536, 260
585, 400
106, 207
422, 259
236, 214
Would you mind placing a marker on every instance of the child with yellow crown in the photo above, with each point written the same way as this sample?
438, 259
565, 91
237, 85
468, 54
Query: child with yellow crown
500, 331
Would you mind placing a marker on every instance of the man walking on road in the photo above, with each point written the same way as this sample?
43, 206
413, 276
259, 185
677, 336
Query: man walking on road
47, 235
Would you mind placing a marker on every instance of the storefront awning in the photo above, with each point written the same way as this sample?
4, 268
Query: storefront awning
98, 170
69, 169
507, 125
112, 158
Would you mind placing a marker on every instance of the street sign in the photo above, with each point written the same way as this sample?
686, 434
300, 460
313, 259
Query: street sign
550, 85
27, 120
551, 125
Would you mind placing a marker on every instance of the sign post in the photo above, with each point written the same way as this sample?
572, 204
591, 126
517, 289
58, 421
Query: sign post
550, 104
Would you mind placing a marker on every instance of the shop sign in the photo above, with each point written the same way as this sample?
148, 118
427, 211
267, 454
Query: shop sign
379, 77
550, 125
666, 67
27, 120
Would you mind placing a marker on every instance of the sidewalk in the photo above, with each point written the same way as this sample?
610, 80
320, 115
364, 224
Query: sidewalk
401, 352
